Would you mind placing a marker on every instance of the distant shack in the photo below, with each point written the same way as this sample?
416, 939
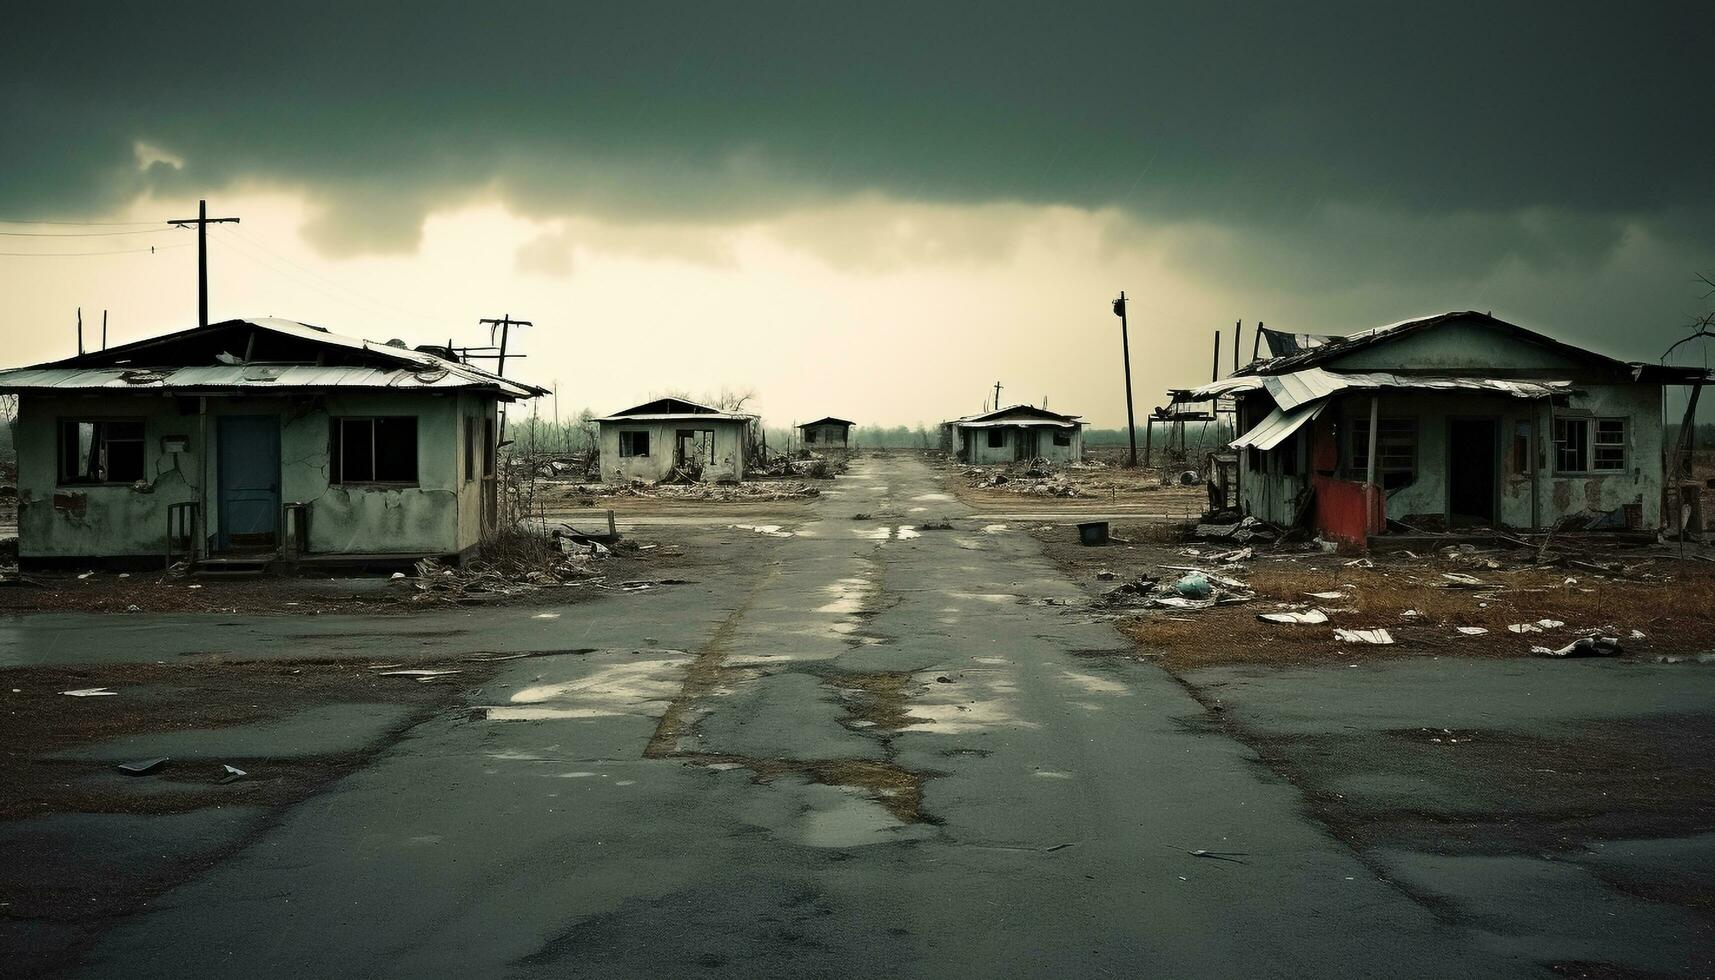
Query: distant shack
671, 438
827, 435
1018, 432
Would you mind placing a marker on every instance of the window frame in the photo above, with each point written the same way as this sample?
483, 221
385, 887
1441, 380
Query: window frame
997, 437
337, 446
70, 422
1597, 443
1358, 450
634, 434
1063, 437
1562, 426
470, 448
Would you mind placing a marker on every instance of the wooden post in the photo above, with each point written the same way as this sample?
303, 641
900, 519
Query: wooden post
1375, 423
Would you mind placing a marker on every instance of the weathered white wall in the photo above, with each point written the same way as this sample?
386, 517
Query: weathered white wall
729, 446
1557, 495
1038, 441
122, 521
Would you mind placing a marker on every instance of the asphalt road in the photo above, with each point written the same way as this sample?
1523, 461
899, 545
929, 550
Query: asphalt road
861, 749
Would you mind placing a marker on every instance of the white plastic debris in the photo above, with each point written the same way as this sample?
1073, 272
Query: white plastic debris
91, 692
1525, 628
1308, 617
1377, 636
1549, 624
1472, 630
421, 673
1328, 596
1584, 646
396, 576
1459, 580
1637, 634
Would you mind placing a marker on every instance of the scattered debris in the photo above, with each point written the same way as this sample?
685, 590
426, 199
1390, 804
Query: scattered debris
1584, 646
1194, 586
420, 673
91, 692
1326, 596
142, 767
1377, 636
232, 774
1310, 617
1472, 630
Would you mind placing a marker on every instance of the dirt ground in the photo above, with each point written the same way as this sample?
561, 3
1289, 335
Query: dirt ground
1669, 601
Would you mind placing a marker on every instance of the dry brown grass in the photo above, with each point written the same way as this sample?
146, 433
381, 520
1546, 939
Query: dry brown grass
1676, 614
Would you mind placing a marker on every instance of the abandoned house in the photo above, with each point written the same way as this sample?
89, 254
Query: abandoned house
1452, 421
247, 441
1019, 432
829, 435
675, 438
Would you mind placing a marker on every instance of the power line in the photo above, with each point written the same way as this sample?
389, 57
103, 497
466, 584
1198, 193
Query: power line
121, 251
80, 224
75, 234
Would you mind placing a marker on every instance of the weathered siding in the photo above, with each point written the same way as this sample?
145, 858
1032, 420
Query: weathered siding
124, 521
729, 450
1556, 495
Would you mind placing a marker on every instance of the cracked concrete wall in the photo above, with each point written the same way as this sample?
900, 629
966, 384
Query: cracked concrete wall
729, 447
1039, 441
440, 515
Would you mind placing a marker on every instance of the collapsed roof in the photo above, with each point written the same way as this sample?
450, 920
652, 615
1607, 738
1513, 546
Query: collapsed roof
670, 409
262, 353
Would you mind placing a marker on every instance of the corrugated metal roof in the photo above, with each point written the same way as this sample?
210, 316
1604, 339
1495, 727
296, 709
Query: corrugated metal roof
1279, 425
1311, 384
416, 369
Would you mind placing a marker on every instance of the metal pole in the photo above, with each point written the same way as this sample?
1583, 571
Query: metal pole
1375, 423
202, 263
1125, 350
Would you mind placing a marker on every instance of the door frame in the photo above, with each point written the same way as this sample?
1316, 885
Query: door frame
1495, 467
222, 541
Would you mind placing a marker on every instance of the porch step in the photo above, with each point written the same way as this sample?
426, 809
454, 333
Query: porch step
246, 567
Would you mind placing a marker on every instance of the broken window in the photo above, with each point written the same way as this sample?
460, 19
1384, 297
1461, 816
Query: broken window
809, 435
1608, 453
1396, 451
1287, 452
1572, 445
489, 449
469, 448
633, 443
101, 450
380, 449
997, 438
1062, 437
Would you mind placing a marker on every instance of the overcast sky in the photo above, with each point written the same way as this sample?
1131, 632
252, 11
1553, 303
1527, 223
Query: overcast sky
872, 210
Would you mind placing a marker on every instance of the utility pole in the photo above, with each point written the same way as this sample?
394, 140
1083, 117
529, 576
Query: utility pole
202, 221
1125, 351
80, 330
103, 329
504, 324
997, 396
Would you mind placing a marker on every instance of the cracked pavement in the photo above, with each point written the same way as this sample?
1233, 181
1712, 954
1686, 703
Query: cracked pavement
860, 748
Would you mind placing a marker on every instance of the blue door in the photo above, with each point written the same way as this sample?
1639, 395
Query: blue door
249, 482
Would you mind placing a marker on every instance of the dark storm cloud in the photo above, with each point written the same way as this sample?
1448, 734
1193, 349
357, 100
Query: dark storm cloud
1545, 127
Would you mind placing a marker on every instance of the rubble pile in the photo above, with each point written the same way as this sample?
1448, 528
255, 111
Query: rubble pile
558, 560
1196, 589
760, 491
